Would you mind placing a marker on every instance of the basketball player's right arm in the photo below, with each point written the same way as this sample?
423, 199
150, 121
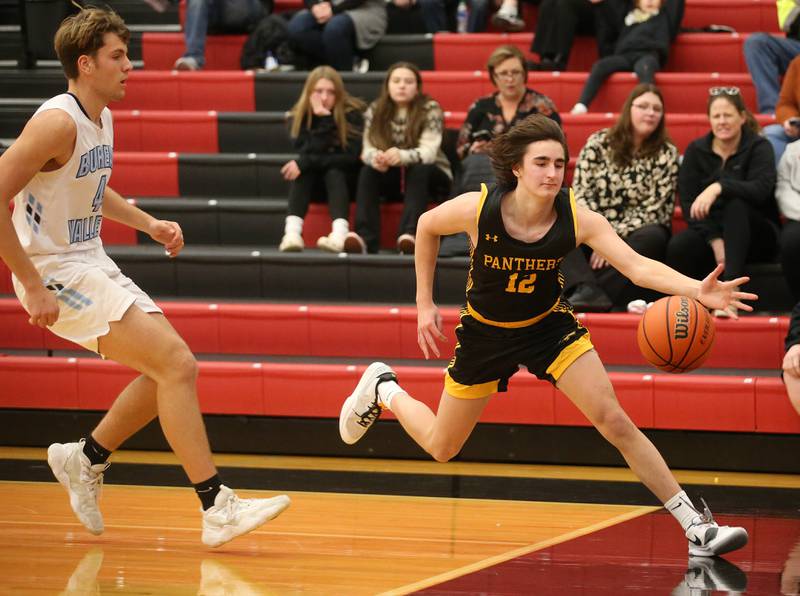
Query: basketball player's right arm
451, 217
46, 141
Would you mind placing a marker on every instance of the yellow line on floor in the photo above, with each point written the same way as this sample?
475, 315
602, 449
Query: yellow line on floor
505, 470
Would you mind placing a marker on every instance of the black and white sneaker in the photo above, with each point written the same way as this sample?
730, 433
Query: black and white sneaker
362, 408
709, 539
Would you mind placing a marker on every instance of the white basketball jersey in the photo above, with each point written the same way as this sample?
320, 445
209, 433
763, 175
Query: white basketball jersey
62, 211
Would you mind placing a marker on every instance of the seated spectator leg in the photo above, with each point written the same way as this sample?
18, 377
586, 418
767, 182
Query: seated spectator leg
339, 39
544, 36
434, 15
650, 241
645, 66
767, 58
300, 193
338, 193
305, 36
778, 138
239, 17
199, 13
421, 182
748, 236
790, 255
478, 15
368, 204
601, 70
571, 15
689, 253
580, 282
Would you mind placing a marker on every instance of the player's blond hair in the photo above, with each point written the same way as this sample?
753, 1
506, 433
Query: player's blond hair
82, 34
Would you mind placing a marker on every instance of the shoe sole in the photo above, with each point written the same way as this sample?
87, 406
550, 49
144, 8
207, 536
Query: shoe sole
735, 541
353, 246
57, 461
282, 502
348, 404
502, 23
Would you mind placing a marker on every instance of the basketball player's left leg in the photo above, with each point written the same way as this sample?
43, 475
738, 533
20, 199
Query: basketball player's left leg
585, 382
792, 382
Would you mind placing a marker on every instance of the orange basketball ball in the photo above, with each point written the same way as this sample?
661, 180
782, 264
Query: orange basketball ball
676, 334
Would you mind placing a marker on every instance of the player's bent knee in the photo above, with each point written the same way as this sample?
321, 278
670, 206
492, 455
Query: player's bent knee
616, 426
180, 364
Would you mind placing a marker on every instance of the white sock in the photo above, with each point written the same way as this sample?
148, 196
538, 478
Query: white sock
386, 392
340, 227
293, 224
681, 508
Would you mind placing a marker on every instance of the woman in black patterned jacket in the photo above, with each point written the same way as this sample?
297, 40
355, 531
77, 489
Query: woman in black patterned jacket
627, 173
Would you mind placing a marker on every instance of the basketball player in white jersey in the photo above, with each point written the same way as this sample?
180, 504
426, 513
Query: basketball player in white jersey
58, 172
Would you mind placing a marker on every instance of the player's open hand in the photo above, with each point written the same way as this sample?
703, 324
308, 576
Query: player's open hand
169, 234
42, 307
429, 329
722, 294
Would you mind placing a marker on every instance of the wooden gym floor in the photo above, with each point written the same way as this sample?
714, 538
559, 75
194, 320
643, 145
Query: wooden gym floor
391, 527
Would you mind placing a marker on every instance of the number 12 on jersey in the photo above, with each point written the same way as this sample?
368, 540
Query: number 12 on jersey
525, 285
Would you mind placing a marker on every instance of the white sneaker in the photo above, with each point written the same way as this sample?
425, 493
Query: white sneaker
231, 516
506, 18
291, 242
354, 244
405, 244
579, 108
708, 539
362, 408
331, 243
186, 63
82, 481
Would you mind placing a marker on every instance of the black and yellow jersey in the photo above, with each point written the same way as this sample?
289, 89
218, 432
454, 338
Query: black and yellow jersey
513, 283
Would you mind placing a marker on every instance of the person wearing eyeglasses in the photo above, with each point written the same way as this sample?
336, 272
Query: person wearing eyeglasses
488, 117
642, 47
628, 174
725, 184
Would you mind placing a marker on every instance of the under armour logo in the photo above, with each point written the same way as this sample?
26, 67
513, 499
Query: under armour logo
491, 237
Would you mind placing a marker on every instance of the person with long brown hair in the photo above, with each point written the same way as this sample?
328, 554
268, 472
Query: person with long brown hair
403, 159
726, 184
515, 317
326, 125
628, 173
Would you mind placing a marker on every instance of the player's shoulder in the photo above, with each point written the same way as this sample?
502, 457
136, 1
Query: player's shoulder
53, 122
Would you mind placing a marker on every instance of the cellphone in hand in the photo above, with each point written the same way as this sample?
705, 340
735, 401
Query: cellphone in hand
481, 135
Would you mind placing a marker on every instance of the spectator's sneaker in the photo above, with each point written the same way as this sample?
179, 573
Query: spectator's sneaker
588, 297
231, 516
82, 481
506, 18
714, 573
331, 243
354, 244
405, 244
291, 242
708, 539
361, 409
361, 65
579, 109
186, 63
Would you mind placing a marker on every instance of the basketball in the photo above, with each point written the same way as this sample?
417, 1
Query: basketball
676, 334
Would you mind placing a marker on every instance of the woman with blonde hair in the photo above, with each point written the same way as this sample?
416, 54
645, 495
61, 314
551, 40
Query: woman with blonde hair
403, 159
326, 124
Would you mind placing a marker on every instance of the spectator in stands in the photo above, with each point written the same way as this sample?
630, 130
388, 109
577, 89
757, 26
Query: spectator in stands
439, 14
560, 20
791, 360
642, 47
725, 184
628, 174
494, 114
787, 112
326, 125
403, 159
768, 56
332, 32
787, 193
218, 16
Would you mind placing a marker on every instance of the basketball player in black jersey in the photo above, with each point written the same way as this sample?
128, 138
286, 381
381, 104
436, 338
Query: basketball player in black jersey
515, 315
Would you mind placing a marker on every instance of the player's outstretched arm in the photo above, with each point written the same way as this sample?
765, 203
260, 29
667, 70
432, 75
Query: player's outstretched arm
164, 232
451, 217
46, 143
594, 230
